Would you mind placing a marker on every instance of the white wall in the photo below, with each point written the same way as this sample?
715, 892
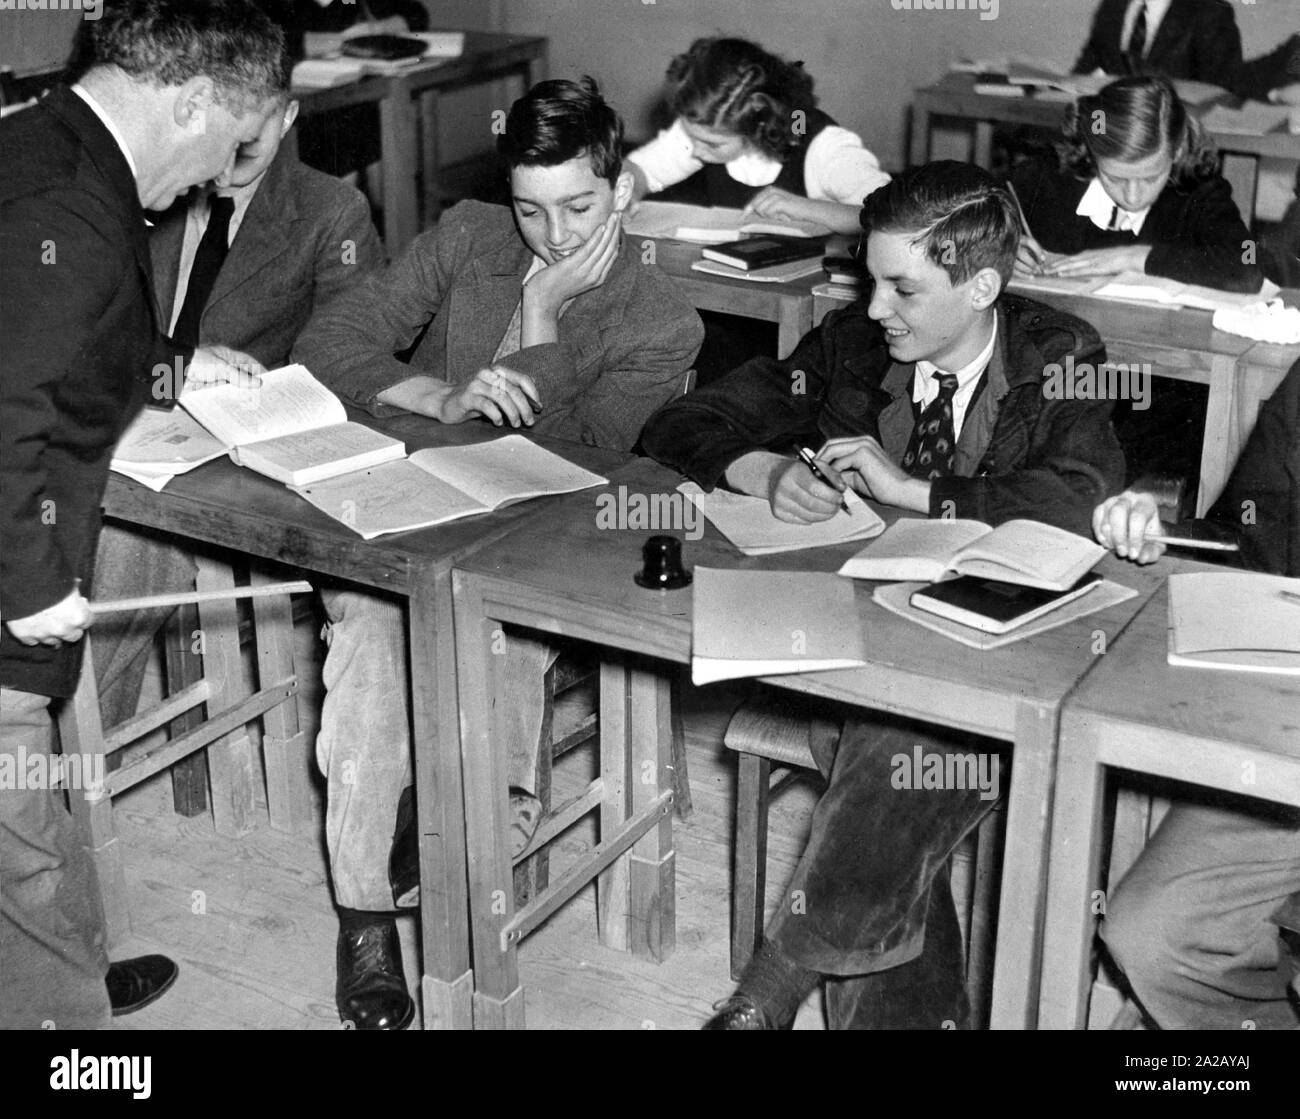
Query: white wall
867, 57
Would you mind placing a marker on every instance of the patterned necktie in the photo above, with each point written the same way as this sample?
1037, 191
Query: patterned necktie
1137, 42
208, 259
930, 450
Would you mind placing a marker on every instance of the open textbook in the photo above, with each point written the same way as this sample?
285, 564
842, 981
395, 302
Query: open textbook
768, 623
1138, 287
445, 484
1027, 552
709, 225
1235, 620
749, 524
292, 428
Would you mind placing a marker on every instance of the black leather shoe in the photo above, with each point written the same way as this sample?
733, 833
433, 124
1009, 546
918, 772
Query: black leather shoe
404, 858
371, 992
135, 983
739, 1012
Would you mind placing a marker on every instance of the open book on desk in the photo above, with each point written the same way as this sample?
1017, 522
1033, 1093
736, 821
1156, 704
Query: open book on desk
1138, 287
768, 623
749, 524
444, 484
1030, 553
708, 225
159, 444
292, 428
1237, 620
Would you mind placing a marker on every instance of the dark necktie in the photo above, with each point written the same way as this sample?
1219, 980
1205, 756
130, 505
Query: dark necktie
1137, 42
203, 273
929, 451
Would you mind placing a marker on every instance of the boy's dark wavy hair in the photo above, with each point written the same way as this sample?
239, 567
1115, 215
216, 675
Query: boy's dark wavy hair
559, 120
168, 42
734, 85
1131, 119
965, 218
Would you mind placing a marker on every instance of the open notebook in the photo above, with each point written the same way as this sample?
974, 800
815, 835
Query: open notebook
709, 225
749, 524
1138, 287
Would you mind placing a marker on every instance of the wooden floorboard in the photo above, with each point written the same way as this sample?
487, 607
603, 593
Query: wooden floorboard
252, 925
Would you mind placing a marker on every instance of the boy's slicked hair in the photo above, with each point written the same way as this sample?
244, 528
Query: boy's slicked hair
169, 42
963, 216
1130, 120
559, 120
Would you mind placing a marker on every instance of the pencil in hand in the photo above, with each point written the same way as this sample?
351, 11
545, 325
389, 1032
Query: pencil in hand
809, 460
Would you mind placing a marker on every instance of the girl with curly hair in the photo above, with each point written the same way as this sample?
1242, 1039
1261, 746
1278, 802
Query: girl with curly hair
747, 133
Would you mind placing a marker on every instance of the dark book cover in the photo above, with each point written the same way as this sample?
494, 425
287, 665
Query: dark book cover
766, 250
993, 606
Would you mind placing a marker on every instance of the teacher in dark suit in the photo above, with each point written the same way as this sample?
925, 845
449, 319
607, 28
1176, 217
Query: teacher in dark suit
166, 93
1196, 39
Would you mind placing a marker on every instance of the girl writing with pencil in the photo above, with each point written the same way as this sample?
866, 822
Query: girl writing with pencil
748, 134
1136, 187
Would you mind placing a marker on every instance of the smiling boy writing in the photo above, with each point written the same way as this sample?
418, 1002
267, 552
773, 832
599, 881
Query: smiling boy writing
927, 394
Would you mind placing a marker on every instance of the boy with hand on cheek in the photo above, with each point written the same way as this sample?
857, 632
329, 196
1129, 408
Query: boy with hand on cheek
930, 395
540, 316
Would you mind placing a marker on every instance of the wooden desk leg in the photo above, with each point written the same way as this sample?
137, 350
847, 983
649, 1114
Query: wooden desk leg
920, 150
447, 985
983, 153
1075, 858
230, 759
1219, 449
794, 323
399, 144
1024, 872
652, 916
613, 888
498, 997
185, 667
285, 750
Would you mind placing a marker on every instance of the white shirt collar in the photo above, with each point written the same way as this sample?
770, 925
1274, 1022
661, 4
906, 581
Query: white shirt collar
1099, 208
925, 388
98, 110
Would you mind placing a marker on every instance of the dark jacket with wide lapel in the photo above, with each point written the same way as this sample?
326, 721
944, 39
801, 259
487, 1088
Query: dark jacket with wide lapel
1023, 451
1260, 506
81, 340
624, 348
305, 238
1197, 39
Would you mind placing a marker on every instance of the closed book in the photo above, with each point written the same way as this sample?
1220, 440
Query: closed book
765, 251
992, 606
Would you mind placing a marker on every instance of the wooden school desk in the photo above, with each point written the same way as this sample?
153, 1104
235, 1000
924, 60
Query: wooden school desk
954, 96
1181, 344
790, 305
233, 508
408, 117
1234, 731
564, 574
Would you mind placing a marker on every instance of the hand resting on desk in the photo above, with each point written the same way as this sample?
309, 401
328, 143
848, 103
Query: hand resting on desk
1098, 262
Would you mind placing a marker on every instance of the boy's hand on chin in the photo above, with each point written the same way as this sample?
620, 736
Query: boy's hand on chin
583, 270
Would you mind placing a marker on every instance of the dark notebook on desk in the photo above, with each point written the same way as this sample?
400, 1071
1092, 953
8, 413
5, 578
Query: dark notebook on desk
766, 250
992, 606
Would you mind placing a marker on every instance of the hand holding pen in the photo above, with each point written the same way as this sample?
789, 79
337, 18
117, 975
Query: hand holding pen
809, 460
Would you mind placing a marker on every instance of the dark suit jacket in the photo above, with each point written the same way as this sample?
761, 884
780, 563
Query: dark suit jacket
305, 239
1197, 39
81, 337
624, 348
1022, 451
1196, 233
1260, 506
